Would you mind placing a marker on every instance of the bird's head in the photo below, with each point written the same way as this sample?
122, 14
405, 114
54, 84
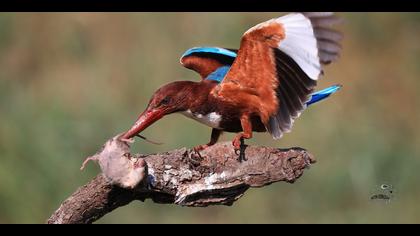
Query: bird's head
170, 98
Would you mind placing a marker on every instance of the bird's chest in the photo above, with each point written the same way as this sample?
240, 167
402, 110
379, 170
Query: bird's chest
211, 119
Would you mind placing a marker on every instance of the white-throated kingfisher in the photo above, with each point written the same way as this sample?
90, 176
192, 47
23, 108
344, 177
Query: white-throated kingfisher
263, 86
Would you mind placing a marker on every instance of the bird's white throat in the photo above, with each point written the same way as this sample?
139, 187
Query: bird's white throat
211, 119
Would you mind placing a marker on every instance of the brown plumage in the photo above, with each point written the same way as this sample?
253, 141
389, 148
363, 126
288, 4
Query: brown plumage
267, 86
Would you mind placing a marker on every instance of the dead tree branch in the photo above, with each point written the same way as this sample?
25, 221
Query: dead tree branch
178, 177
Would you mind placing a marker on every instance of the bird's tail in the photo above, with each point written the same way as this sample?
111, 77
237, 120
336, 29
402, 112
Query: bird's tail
322, 94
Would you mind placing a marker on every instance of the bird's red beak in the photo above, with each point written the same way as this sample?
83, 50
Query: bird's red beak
147, 118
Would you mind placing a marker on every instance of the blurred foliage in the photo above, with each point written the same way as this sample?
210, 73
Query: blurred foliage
69, 81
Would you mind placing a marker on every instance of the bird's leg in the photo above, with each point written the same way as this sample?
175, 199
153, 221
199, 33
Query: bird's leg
238, 142
215, 135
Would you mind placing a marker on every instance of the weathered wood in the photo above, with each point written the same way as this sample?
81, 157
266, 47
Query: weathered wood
181, 177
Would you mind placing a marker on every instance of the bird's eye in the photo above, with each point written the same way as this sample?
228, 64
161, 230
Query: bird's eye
165, 101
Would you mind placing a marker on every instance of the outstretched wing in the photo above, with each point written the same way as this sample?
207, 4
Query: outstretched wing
210, 62
277, 66
328, 39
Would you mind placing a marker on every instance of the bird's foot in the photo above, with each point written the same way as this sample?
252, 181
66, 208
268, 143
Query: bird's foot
195, 157
239, 146
200, 148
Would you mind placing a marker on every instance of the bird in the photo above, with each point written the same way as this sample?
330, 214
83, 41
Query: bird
261, 87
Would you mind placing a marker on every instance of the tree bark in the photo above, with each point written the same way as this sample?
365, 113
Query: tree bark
183, 178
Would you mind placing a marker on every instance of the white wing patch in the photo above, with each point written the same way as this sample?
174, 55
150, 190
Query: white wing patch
300, 43
212, 119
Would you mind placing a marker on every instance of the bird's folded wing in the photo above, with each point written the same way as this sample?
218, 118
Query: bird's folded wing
209, 62
279, 62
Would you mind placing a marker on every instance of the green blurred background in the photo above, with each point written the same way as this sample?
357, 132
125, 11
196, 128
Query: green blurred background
69, 81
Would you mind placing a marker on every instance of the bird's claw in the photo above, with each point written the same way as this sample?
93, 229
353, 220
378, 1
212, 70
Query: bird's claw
237, 150
236, 144
199, 148
239, 146
242, 155
195, 156
197, 153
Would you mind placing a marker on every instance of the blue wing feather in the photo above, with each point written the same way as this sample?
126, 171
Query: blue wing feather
214, 50
218, 74
322, 94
